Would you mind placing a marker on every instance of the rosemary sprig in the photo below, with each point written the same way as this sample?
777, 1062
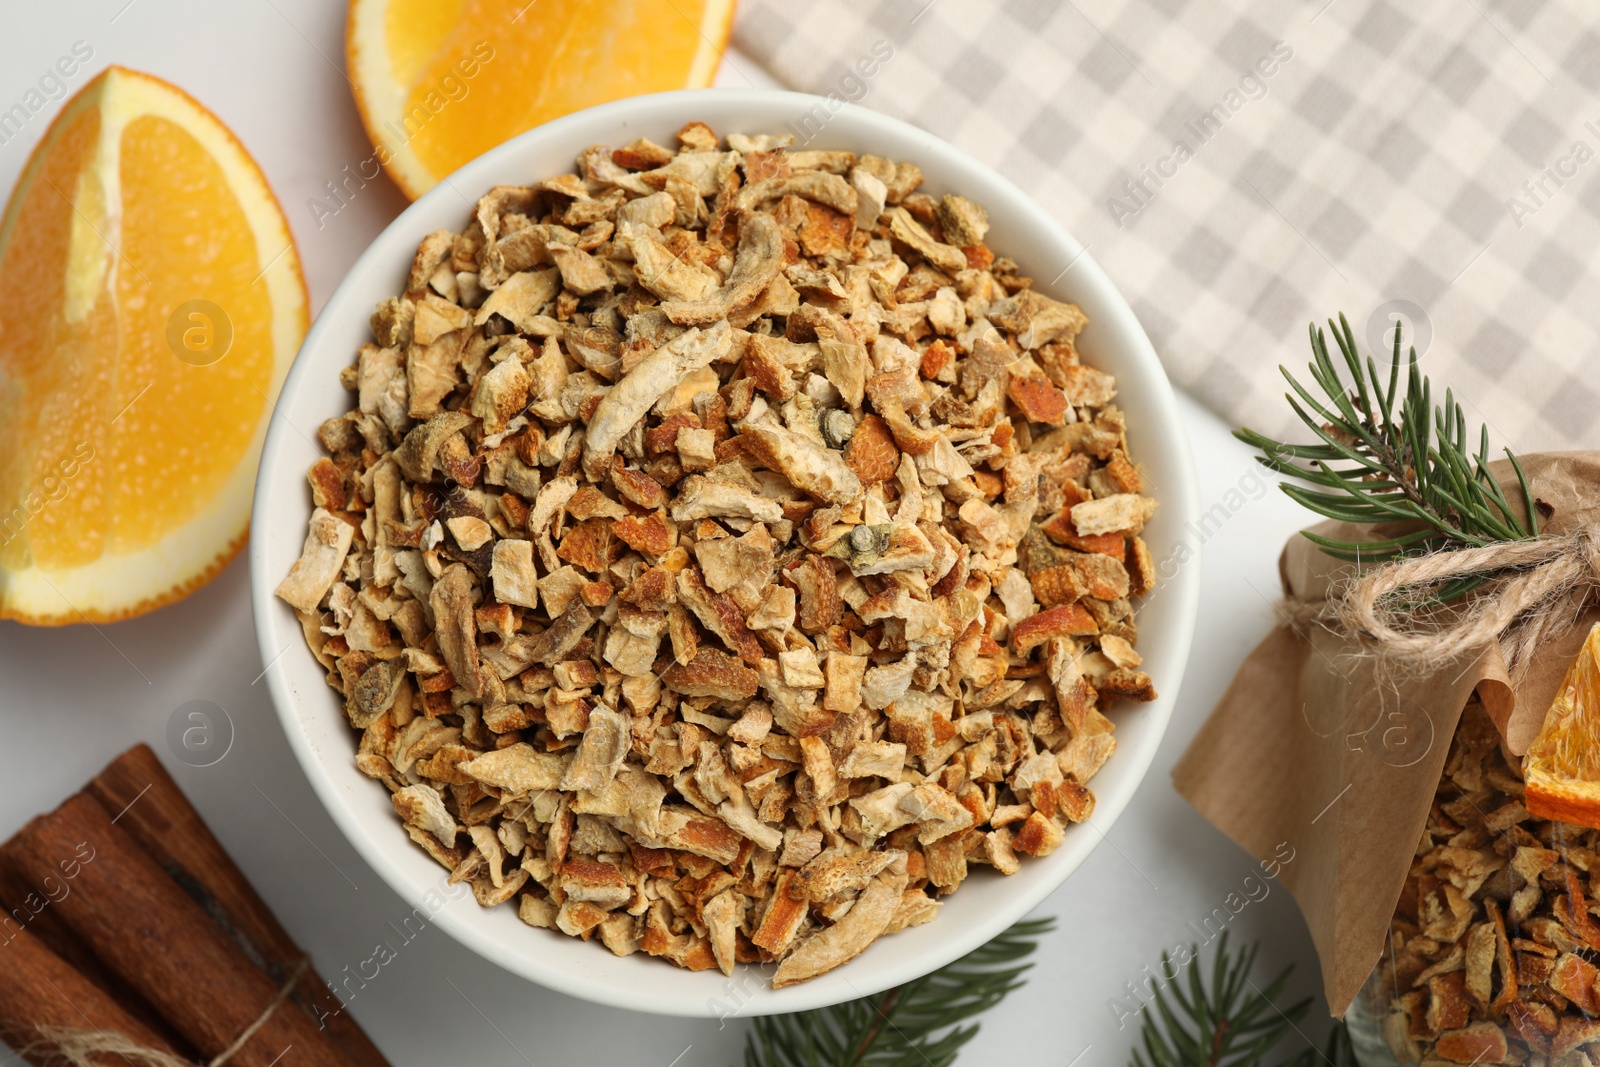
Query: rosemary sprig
1383, 455
1228, 1021
919, 1024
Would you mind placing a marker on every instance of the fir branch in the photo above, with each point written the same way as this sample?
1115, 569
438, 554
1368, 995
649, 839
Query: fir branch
1228, 1021
919, 1024
1386, 455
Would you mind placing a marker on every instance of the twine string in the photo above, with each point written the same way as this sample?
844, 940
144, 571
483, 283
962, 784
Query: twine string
78, 1047
1537, 587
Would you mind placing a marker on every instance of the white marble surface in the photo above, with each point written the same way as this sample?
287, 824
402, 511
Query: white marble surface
71, 699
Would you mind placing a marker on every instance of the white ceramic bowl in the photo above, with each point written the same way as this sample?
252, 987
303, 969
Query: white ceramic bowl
986, 903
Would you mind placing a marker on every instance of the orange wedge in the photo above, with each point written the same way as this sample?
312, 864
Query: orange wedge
440, 82
153, 304
1562, 767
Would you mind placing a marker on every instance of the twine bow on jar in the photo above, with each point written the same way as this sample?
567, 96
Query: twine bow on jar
1537, 589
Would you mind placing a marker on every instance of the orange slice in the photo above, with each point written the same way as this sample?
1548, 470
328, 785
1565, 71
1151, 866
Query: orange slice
153, 304
1562, 767
440, 82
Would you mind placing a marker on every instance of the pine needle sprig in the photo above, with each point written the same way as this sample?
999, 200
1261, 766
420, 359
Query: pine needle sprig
1337, 1053
1227, 1021
1386, 455
923, 1023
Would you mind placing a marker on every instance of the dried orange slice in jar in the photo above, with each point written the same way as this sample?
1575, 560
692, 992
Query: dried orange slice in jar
440, 82
1562, 766
153, 304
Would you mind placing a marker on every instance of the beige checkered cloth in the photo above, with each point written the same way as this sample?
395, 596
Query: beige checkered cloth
1334, 156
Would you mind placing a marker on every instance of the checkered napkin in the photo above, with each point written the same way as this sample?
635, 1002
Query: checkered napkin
1242, 168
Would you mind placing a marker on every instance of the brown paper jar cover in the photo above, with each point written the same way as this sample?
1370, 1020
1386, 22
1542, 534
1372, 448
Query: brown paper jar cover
1321, 744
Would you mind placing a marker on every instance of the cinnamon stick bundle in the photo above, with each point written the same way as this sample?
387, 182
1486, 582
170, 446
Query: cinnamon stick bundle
29, 908
148, 805
40, 992
151, 934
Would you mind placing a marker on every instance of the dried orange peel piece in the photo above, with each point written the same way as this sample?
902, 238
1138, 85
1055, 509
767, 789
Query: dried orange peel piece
440, 82
1562, 767
154, 302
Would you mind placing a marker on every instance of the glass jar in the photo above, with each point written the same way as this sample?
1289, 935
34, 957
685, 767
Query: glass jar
1363, 1021
1492, 950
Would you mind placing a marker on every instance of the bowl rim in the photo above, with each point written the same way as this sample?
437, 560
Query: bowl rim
1181, 593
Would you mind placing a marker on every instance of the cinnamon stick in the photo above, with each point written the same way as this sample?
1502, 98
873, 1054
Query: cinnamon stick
31, 907
144, 928
157, 815
38, 991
